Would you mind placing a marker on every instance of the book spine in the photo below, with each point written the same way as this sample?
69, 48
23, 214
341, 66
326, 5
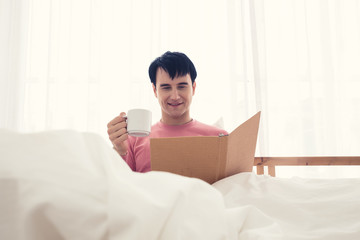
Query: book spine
222, 157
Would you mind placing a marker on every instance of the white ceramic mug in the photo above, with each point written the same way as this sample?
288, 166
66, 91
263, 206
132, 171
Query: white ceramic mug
139, 122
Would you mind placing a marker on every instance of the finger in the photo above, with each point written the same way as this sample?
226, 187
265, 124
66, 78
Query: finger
117, 120
113, 122
122, 114
117, 127
117, 134
120, 139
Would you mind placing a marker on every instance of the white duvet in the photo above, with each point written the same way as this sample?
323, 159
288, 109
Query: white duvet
71, 185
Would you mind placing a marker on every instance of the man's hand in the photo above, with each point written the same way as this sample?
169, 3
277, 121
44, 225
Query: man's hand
118, 133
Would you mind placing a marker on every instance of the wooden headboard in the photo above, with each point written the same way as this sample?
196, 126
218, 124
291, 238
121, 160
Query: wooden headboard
272, 162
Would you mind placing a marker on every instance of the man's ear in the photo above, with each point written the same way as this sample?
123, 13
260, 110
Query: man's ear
193, 87
154, 89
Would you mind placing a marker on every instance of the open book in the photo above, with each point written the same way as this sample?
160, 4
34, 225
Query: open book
208, 158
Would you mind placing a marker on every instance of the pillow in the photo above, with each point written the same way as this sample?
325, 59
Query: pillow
219, 123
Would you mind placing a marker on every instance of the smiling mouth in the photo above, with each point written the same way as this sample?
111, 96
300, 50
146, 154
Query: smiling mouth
174, 104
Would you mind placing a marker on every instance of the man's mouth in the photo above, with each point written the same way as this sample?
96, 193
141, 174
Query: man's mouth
175, 104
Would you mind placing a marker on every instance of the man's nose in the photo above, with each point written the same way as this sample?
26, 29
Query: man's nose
174, 94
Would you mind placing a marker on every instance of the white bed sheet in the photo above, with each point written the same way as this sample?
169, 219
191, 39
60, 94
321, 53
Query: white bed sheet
301, 208
71, 185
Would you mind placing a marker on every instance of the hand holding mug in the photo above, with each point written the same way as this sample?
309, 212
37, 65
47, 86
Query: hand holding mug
118, 133
137, 123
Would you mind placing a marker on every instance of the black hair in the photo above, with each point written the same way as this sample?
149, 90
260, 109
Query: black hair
175, 64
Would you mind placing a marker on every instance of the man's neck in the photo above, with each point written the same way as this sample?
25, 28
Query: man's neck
176, 121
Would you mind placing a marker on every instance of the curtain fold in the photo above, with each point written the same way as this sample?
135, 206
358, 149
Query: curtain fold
13, 57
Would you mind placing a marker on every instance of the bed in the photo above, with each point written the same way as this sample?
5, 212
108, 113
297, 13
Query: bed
72, 185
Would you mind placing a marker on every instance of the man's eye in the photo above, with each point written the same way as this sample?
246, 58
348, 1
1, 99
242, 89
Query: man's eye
165, 88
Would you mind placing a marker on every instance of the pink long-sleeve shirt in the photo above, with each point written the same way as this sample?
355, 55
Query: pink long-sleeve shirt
138, 156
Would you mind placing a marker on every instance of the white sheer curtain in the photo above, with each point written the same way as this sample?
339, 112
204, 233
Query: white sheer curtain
308, 72
77, 64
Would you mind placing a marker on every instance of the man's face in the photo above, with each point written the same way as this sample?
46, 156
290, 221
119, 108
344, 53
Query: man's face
174, 96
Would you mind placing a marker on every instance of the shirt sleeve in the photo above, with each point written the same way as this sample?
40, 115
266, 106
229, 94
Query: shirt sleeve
129, 158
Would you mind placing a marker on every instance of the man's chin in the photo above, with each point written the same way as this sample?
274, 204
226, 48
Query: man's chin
175, 114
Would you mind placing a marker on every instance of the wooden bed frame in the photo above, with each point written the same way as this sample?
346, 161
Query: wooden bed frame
272, 162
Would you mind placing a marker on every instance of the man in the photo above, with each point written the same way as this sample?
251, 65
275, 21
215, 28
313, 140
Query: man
173, 81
